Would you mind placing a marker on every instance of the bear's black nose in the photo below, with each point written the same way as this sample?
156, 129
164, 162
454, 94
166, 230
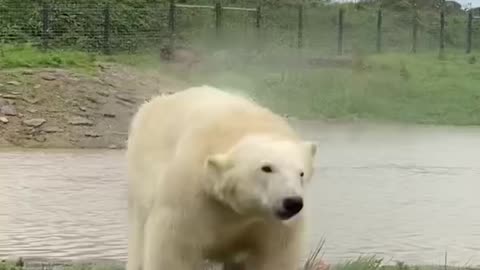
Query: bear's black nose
292, 205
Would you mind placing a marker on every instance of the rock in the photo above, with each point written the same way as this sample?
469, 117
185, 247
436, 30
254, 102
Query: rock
36, 86
103, 93
112, 146
80, 121
4, 120
15, 83
95, 100
40, 139
126, 104
34, 122
27, 72
30, 110
53, 130
109, 114
125, 98
54, 110
31, 100
8, 110
9, 96
83, 109
92, 134
48, 77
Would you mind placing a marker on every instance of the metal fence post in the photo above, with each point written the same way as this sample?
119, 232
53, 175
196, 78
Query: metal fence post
414, 31
469, 32
442, 32
171, 26
379, 31
300, 26
258, 17
218, 18
106, 29
45, 25
340, 32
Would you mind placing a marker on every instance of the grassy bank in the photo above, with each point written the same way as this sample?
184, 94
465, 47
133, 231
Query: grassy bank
27, 56
362, 263
384, 87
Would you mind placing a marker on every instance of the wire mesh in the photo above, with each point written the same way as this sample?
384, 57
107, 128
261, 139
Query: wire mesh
132, 28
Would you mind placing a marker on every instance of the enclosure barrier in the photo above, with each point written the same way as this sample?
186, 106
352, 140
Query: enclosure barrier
104, 38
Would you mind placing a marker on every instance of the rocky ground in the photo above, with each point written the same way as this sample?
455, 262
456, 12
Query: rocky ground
58, 108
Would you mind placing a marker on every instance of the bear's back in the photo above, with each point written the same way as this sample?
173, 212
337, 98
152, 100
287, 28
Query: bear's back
196, 122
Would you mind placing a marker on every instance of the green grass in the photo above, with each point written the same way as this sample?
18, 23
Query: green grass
27, 56
400, 87
389, 87
361, 263
421, 88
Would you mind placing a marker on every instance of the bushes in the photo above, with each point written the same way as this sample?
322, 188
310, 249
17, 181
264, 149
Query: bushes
81, 24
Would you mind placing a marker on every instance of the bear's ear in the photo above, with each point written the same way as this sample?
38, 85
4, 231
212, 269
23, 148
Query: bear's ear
311, 147
218, 162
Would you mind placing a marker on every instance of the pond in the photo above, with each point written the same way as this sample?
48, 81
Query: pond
404, 193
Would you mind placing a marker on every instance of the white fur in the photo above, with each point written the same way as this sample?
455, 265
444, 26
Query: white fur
196, 190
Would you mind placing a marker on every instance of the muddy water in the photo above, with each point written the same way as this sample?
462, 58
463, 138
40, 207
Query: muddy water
403, 193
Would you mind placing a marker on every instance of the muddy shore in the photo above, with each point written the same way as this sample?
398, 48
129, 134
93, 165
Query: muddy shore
56, 108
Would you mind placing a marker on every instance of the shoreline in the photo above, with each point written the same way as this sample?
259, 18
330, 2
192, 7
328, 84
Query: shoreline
117, 141
360, 263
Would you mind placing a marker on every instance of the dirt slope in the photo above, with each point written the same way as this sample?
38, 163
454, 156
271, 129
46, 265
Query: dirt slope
64, 109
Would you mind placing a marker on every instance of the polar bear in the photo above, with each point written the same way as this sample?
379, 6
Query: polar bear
214, 176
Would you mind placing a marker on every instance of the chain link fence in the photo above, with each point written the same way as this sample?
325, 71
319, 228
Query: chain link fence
325, 29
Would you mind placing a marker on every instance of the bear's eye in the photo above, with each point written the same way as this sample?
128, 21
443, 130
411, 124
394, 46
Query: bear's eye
301, 174
267, 169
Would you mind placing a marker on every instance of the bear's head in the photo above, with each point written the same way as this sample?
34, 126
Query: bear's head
262, 176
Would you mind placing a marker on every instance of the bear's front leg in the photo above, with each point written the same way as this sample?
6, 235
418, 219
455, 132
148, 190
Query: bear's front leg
278, 249
136, 223
167, 247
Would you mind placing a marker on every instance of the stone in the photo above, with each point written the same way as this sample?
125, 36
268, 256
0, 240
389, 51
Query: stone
92, 134
109, 114
9, 96
4, 120
31, 100
126, 104
37, 86
27, 72
95, 100
8, 110
34, 122
31, 110
53, 130
40, 139
103, 93
125, 98
48, 77
15, 83
112, 146
82, 108
80, 121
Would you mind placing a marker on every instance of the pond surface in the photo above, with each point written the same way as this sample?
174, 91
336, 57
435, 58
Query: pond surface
402, 193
